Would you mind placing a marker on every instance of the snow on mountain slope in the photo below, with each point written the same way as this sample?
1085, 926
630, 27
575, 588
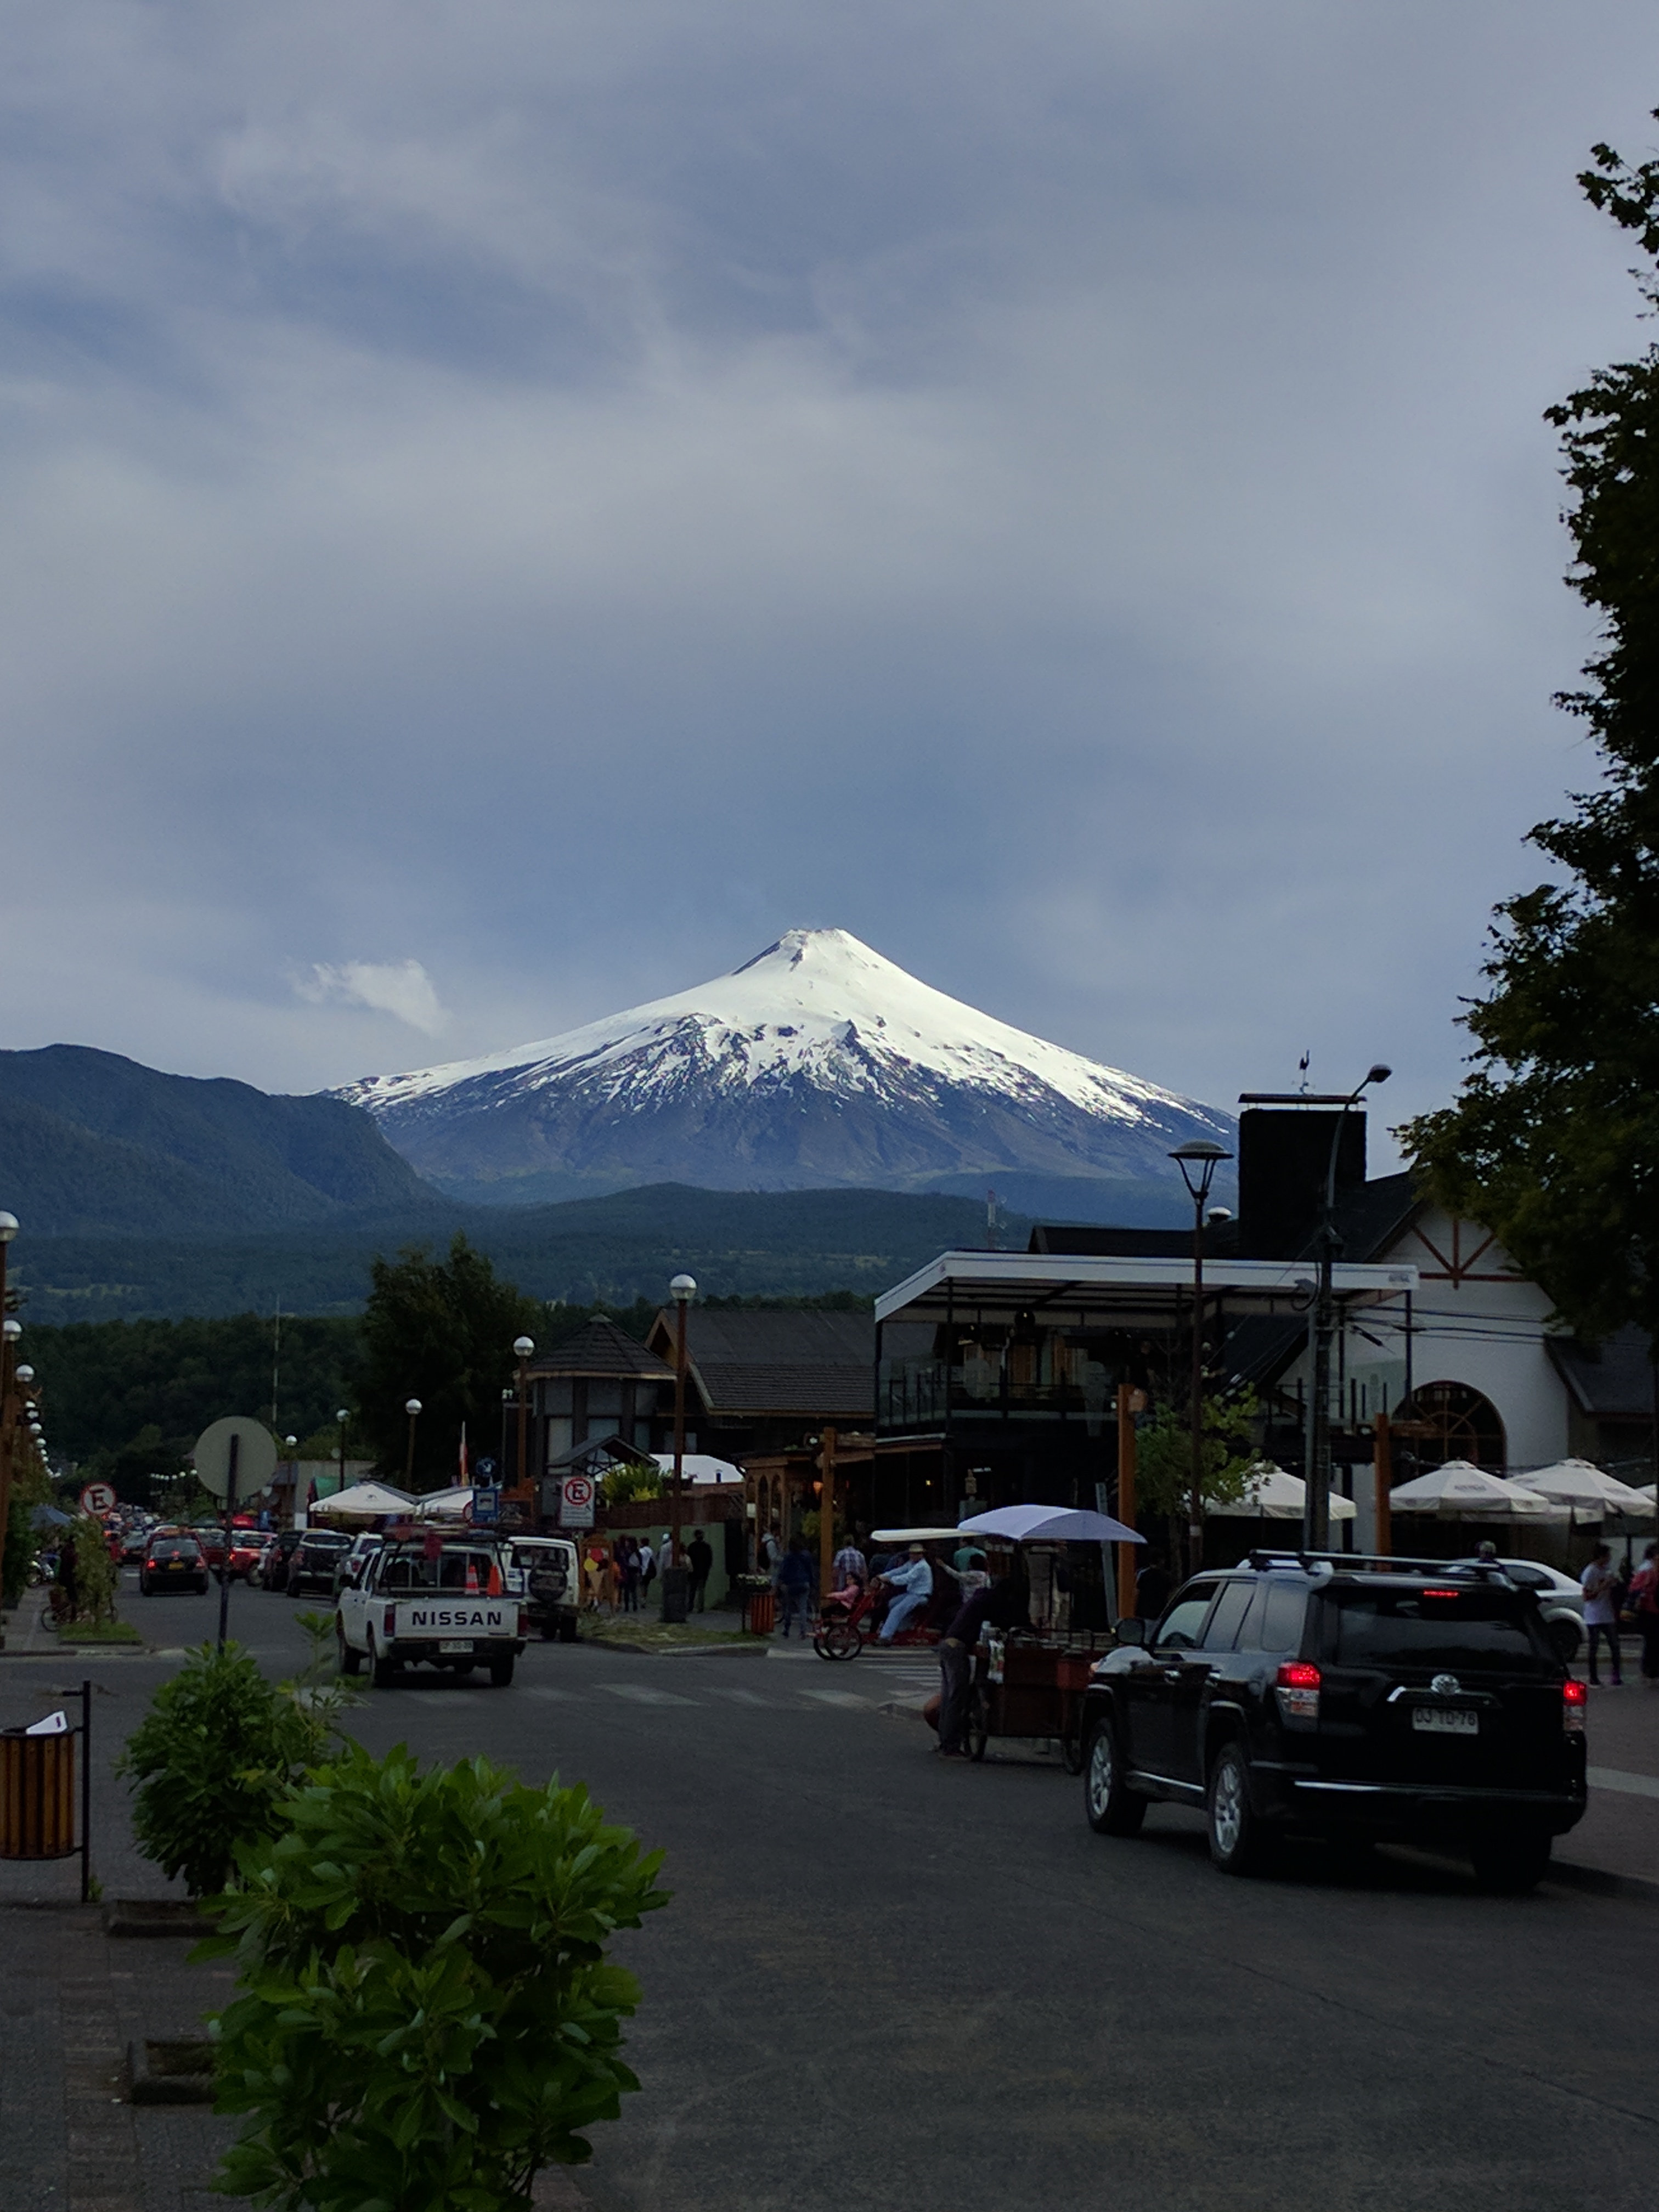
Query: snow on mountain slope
818, 1061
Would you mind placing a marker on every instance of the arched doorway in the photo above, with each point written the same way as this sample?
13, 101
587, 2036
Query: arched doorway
1453, 1421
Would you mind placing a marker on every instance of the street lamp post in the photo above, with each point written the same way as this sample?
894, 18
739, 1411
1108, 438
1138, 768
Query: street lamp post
523, 1351
412, 1408
682, 1290
1316, 1502
1198, 1163
342, 1414
8, 1395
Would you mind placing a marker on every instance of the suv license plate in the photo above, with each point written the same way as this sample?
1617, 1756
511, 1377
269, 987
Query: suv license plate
1434, 1720
466, 1646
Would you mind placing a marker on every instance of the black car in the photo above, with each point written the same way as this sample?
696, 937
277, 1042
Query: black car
316, 1555
1358, 1699
173, 1563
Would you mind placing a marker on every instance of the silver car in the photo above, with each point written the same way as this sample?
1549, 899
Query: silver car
1560, 1600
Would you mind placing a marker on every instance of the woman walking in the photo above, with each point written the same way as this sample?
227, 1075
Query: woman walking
1644, 1599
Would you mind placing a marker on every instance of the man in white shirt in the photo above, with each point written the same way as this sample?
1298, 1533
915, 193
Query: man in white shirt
1601, 1587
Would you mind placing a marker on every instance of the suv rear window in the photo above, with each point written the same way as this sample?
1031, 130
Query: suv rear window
1478, 1631
173, 1549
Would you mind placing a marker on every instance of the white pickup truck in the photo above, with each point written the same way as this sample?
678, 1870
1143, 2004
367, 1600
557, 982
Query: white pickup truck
411, 1607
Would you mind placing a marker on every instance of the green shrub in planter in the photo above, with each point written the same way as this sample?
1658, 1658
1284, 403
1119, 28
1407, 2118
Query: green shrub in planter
427, 2016
219, 1747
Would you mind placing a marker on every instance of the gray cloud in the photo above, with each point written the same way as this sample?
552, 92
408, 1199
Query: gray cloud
576, 489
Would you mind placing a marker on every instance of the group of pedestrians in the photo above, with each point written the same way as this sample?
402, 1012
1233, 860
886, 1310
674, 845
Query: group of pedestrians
1608, 1597
617, 1577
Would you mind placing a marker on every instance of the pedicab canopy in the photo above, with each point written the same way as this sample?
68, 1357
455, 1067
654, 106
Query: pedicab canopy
1049, 1524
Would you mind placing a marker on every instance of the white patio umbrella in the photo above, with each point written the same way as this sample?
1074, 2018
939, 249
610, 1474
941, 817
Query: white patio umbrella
364, 1501
1461, 1492
1049, 1524
452, 1504
699, 1467
1270, 1494
1580, 1485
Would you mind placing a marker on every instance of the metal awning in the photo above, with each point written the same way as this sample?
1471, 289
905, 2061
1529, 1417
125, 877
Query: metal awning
1118, 1292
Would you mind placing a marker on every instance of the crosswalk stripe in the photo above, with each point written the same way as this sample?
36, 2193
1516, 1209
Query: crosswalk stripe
640, 1693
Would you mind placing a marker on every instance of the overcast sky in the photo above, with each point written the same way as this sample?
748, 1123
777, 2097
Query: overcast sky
504, 508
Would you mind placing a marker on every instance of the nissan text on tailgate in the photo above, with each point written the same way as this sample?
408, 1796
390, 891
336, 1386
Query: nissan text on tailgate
449, 1608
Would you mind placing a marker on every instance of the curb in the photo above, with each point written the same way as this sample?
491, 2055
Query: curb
676, 1651
1601, 1883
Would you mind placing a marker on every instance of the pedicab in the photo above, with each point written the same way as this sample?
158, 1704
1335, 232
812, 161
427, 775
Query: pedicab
845, 1624
1030, 1682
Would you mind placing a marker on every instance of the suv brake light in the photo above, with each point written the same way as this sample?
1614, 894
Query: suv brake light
1574, 1698
1297, 1689
1443, 1593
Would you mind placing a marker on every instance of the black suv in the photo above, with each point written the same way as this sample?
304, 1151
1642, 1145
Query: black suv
1355, 1698
316, 1556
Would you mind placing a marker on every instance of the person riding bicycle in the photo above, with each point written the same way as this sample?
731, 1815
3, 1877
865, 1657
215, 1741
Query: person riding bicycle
909, 1587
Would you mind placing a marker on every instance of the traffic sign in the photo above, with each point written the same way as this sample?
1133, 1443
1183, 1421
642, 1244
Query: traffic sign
98, 1497
486, 1507
576, 1502
256, 1455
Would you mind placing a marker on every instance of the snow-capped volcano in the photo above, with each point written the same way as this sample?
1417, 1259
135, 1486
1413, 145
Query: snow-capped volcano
817, 1062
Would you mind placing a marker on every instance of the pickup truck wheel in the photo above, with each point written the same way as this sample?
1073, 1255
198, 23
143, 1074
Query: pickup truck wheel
1510, 1865
1238, 1842
382, 1669
550, 1630
351, 1662
567, 1629
501, 1673
1111, 1810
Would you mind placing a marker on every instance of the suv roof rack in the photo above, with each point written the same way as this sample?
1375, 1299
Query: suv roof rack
1373, 1562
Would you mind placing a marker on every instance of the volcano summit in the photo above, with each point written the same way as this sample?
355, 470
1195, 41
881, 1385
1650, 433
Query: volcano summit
815, 1064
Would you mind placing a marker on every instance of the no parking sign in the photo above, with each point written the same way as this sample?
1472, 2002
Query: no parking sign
576, 1502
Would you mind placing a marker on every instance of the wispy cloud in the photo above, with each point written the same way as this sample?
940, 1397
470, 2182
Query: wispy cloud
400, 987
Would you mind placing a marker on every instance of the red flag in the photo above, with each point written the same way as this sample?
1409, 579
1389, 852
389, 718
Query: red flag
461, 1478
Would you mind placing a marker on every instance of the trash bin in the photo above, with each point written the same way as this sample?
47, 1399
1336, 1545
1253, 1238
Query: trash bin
37, 1795
676, 1590
761, 1614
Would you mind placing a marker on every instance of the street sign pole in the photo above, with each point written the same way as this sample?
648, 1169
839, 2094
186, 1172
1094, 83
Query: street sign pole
232, 1455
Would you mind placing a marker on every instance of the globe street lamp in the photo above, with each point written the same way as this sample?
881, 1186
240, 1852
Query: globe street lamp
523, 1350
682, 1290
342, 1414
1317, 1503
1198, 1162
14, 1329
412, 1408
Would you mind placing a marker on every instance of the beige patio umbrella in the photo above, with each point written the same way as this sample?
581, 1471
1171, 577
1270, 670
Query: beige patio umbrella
1580, 1485
1270, 1494
1461, 1492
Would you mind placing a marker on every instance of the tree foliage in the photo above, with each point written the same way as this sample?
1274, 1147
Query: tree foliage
219, 1750
442, 1331
1553, 1140
427, 2015
1163, 1455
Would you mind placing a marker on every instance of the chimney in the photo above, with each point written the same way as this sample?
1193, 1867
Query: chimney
1284, 1154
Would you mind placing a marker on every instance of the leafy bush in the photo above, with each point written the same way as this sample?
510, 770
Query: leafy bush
94, 1570
1163, 1455
633, 1479
218, 1749
427, 2017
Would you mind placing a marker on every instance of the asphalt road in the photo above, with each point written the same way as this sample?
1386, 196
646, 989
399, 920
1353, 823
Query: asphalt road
890, 1981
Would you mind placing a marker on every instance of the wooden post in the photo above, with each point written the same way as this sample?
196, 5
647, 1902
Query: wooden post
826, 1513
1383, 1469
1125, 1497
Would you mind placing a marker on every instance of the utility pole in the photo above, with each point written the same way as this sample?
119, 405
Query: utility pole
826, 1512
1125, 1497
1198, 1163
1317, 1503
